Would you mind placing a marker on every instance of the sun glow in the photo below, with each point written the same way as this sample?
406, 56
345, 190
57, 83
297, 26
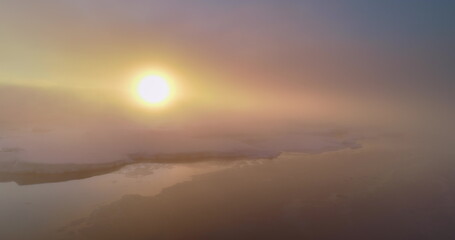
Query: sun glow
154, 89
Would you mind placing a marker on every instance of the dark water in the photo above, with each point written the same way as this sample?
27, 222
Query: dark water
388, 189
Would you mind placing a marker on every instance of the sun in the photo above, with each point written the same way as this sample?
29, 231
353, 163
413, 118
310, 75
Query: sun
154, 89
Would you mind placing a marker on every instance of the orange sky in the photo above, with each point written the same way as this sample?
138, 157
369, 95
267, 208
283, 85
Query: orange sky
66, 61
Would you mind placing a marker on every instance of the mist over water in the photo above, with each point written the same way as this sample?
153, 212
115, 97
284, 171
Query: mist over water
288, 120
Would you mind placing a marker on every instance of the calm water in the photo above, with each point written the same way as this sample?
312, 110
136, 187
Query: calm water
29, 211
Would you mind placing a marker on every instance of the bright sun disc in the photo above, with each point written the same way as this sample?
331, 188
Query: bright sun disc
153, 89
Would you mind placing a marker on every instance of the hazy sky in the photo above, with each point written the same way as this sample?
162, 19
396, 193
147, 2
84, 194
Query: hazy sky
345, 60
